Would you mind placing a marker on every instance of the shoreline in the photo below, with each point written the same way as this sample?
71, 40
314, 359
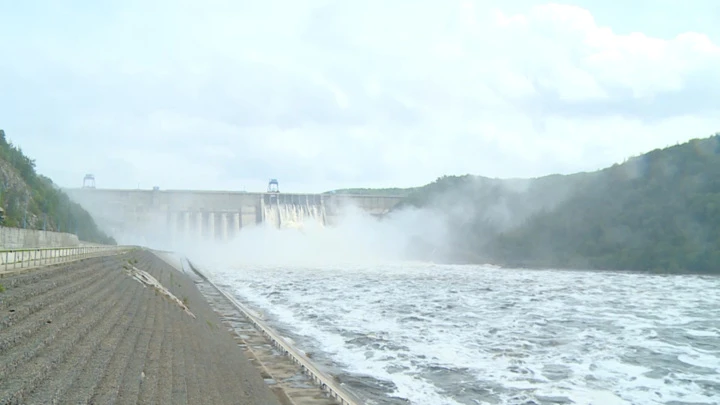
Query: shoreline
289, 373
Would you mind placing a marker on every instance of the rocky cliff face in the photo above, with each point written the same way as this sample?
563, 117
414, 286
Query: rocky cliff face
16, 198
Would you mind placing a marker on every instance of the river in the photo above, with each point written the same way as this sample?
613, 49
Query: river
430, 334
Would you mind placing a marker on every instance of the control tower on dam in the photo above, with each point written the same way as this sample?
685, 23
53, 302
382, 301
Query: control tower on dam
212, 215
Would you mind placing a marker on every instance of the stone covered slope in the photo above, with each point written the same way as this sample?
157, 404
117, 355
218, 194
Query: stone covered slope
86, 332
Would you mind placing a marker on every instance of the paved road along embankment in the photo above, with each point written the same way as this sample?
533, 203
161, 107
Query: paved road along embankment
91, 332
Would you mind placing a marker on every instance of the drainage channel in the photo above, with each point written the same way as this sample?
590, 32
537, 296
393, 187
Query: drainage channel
290, 376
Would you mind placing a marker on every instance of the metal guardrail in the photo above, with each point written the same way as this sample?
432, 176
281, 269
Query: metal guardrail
325, 382
11, 259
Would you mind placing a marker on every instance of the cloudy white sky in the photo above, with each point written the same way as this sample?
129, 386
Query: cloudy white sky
225, 94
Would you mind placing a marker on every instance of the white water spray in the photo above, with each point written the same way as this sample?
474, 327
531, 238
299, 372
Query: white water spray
293, 215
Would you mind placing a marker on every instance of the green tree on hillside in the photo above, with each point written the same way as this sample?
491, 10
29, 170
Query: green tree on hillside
34, 201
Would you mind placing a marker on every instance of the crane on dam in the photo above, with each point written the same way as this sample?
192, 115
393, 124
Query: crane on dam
273, 186
89, 181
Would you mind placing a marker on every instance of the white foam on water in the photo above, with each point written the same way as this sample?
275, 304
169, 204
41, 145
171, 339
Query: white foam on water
471, 334
703, 333
353, 360
701, 360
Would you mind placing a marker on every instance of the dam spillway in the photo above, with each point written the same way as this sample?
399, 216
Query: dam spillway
293, 211
182, 216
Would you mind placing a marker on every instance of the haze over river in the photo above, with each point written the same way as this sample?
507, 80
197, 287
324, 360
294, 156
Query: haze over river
439, 334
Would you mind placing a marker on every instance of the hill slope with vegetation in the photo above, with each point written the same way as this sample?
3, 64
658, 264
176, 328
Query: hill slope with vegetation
33, 201
657, 212
394, 192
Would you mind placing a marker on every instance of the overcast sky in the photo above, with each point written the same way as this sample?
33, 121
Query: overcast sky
225, 94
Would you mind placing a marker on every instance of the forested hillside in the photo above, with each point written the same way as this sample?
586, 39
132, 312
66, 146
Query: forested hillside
373, 191
32, 201
658, 212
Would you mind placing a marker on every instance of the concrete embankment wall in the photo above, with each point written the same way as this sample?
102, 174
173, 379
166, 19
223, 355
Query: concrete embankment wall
18, 238
89, 332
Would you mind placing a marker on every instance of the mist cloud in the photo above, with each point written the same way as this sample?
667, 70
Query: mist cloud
356, 239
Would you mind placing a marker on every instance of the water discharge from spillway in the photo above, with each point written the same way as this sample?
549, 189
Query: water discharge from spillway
291, 215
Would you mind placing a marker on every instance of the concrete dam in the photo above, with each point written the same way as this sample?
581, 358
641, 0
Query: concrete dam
142, 216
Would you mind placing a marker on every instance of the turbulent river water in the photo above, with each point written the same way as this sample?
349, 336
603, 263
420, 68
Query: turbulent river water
438, 334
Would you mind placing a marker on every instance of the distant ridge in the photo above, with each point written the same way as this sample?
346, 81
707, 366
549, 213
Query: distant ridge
657, 212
